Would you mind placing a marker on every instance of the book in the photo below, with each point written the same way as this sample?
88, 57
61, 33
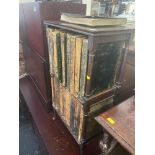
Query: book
68, 60
79, 41
92, 21
50, 47
77, 117
64, 102
72, 62
80, 125
83, 67
63, 37
57, 55
61, 101
55, 93
72, 113
68, 103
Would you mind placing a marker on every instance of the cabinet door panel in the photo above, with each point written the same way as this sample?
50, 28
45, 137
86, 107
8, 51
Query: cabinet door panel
34, 27
106, 64
36, 67
127, 79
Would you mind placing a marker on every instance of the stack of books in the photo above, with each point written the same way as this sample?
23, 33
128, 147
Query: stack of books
92, 21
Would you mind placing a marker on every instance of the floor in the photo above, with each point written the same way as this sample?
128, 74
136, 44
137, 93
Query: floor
30, 142
54, 135
22, 69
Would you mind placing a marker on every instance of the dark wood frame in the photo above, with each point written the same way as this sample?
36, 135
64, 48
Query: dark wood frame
94, 38
123, 34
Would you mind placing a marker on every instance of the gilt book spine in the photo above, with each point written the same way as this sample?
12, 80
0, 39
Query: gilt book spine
79, 41
48, 42
64, 57
68, 102
53, 91
72, 63
61, 102
64, 102
50, 47
78, 120
76, 117
80, 125
57, 93
72, 113
83, 67
68, 60
58, 43
57, 55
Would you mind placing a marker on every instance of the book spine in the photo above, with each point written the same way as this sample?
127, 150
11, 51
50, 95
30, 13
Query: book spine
66, 95
63, 54
80, 125
76, 117
83, 67
49, 42
51, 51
61, 103
72, 63
68, 101
68, 61
59, 57
72, 113
77, 63
55, 92
78, 120
55, 55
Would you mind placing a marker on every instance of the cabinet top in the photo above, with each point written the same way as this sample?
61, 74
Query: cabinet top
93, 31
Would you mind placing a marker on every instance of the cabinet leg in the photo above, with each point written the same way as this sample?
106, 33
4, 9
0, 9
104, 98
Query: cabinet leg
54, 114
107, 144
81, 148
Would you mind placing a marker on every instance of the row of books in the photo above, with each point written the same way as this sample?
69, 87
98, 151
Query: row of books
69, 108
68, 59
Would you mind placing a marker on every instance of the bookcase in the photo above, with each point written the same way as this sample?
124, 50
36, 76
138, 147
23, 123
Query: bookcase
85, 64
85, 67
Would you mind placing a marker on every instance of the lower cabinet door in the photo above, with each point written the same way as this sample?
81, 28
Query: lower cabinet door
38, 70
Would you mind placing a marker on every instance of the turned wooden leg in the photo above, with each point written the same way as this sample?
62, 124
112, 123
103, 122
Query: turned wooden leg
107, 144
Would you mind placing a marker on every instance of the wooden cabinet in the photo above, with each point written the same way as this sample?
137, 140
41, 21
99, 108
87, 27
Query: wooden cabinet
107, 48
127, 78
38, 72
102, 57
31, 19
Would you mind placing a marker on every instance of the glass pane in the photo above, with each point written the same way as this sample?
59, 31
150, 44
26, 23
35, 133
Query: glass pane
105, 64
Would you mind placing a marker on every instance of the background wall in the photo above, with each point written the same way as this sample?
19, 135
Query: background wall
25, 1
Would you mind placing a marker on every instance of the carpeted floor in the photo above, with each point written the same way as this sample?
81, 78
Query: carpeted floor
30, 142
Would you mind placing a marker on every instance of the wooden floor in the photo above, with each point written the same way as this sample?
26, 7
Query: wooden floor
54, 134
